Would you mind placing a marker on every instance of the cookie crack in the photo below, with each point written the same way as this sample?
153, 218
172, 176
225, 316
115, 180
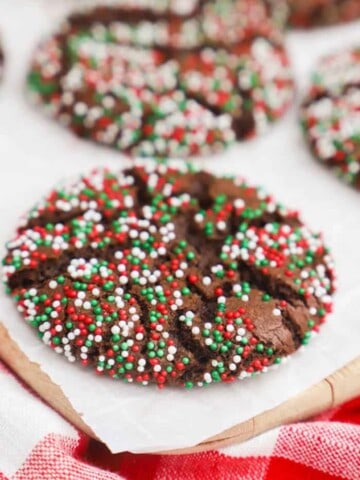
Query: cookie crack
188, 342
264, 219
50, 268
292, 326
266, 283
56, 217
105, 15
144, 317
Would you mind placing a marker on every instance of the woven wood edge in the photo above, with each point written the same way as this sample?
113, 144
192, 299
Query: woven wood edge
339, 387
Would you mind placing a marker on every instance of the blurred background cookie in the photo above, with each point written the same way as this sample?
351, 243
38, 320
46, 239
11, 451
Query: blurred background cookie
331, 114
170, 81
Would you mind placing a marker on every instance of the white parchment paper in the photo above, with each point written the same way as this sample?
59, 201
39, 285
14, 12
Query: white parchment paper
35, 153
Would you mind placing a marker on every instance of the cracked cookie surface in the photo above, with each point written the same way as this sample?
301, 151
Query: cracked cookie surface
171, 276
166, 81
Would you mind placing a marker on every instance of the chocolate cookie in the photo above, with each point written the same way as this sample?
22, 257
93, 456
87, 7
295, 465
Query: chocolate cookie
314, 13
160, 275
153, 83
331, 114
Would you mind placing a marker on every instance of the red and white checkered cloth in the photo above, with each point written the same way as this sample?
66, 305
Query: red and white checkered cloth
37, 444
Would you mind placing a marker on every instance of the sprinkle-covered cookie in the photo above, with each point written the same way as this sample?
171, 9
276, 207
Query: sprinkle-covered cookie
171, 82
315, 13
331, 114
171, 276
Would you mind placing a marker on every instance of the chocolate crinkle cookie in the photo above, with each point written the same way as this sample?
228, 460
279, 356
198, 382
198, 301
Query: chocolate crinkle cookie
174, 78
331, 114
171, 276
317, 13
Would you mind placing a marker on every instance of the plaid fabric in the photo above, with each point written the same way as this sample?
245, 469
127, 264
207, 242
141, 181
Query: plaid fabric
37, 444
